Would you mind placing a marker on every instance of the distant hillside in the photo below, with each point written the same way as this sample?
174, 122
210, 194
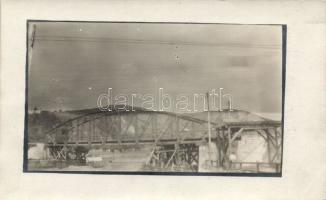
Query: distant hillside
228, 116
113, 108
40, 123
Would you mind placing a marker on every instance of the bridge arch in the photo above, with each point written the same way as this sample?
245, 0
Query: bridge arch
127, 127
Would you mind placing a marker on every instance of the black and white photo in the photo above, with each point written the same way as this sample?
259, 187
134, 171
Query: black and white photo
154, 98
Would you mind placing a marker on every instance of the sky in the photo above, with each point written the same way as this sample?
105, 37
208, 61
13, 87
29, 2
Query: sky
73, 63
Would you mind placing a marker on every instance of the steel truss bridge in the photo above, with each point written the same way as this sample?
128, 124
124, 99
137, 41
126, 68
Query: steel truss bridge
174, 138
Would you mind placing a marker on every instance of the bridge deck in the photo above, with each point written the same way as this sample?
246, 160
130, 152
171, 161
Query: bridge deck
128, 142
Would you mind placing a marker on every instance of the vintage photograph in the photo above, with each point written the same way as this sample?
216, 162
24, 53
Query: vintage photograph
154, 98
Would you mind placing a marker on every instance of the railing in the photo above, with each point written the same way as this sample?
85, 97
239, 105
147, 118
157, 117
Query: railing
252, 167
255, 166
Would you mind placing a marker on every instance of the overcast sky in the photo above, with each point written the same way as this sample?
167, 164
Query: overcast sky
72, 63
